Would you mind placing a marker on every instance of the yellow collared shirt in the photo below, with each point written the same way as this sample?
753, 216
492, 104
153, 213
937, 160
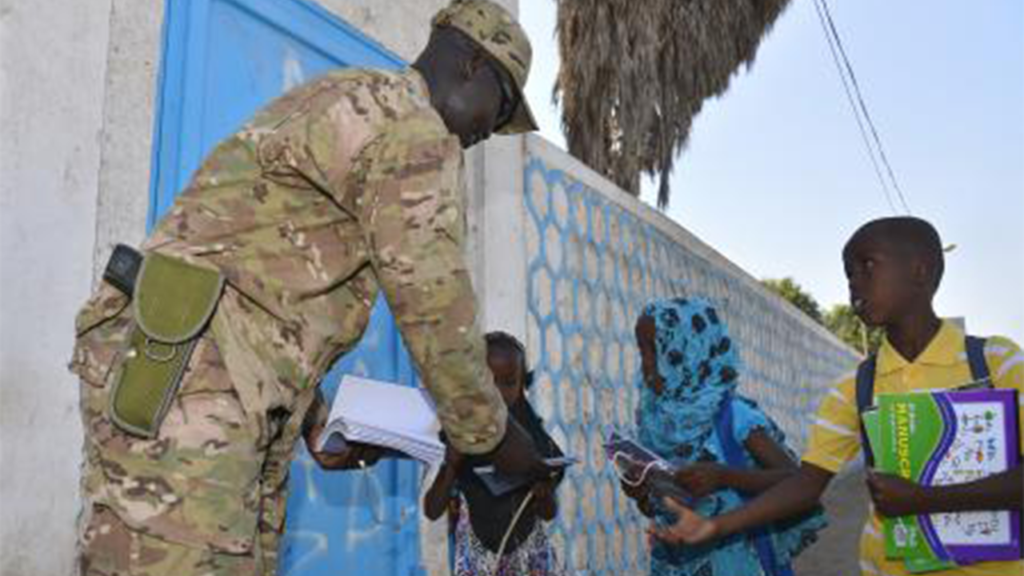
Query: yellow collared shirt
835, 432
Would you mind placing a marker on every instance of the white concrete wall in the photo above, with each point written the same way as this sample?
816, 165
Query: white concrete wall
53, 57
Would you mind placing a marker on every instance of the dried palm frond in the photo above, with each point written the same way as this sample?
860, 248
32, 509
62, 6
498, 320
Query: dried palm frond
636, 72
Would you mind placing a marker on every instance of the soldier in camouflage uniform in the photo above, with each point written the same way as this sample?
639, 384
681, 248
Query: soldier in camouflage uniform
342, 188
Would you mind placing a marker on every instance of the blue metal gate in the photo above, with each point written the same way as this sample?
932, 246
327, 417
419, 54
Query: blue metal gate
222, 60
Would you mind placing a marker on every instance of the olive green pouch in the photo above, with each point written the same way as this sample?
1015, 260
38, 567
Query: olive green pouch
173, 303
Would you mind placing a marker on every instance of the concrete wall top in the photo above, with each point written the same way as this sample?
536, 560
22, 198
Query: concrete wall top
541, 147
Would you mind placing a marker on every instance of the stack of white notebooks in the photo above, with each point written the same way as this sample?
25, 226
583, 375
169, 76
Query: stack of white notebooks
383, 414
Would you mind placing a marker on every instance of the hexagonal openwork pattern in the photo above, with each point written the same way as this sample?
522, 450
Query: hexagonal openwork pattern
593, 265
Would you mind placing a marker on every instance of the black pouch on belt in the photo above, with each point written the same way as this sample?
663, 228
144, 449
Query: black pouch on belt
123, 268
173, 303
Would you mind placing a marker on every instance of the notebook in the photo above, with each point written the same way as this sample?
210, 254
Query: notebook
947, 437
500, 484
636, 464
397, 417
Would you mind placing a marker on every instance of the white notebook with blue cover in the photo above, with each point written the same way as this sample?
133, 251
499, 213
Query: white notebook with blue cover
398, 417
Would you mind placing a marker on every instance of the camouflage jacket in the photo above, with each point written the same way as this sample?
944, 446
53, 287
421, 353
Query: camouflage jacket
346, 186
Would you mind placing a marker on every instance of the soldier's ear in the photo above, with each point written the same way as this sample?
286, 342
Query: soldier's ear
472, 65
466, 67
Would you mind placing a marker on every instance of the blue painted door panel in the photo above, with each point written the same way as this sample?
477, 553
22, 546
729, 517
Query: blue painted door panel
359, 522
223, 60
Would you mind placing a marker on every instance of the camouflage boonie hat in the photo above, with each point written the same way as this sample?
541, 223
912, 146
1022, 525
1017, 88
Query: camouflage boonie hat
498, 33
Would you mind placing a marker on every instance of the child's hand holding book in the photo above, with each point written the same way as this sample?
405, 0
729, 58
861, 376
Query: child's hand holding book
702, 479
895, 496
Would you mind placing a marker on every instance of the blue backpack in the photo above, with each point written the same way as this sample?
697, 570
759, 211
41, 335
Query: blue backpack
733, 453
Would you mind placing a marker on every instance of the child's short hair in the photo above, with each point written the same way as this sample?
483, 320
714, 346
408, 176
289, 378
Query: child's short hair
505, 340
912, 234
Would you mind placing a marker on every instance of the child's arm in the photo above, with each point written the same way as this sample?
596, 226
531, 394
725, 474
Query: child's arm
436, 500
775, 466
896, 496
796, 494
544, 500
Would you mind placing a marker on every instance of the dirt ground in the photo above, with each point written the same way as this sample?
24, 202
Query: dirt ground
837, 549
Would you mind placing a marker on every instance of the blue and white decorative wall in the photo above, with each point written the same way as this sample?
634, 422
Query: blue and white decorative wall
595, 257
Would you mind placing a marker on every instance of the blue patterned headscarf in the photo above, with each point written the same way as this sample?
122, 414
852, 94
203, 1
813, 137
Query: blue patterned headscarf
698, 365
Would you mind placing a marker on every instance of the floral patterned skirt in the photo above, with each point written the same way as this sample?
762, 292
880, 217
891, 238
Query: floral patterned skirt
533, 557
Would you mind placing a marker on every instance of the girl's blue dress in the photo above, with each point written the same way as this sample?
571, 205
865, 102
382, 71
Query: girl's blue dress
699, 367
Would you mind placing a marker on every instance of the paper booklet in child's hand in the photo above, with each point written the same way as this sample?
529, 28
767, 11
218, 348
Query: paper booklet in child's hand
401, 418
637, 465
499, 484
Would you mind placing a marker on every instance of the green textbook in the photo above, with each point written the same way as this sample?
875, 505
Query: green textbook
940, 438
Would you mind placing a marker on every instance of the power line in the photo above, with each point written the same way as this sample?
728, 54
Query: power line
860, 108
864, 108
856, 114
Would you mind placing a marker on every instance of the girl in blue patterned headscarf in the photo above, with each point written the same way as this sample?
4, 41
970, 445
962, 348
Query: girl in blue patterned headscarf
723, 446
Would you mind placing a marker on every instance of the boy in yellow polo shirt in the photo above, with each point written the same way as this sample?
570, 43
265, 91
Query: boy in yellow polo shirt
894, 267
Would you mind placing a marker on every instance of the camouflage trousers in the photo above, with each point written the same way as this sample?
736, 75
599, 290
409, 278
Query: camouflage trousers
206, 496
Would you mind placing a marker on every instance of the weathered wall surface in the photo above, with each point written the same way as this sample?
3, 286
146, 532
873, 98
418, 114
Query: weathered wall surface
52, 68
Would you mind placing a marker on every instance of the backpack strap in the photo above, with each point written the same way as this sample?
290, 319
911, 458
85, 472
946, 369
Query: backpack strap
733, 453
865, 398
975, 347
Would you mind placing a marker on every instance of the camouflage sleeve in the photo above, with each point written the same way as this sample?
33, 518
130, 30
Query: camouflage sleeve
414, 217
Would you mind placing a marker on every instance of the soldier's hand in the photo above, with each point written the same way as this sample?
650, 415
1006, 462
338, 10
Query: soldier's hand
355, 454
516, 455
